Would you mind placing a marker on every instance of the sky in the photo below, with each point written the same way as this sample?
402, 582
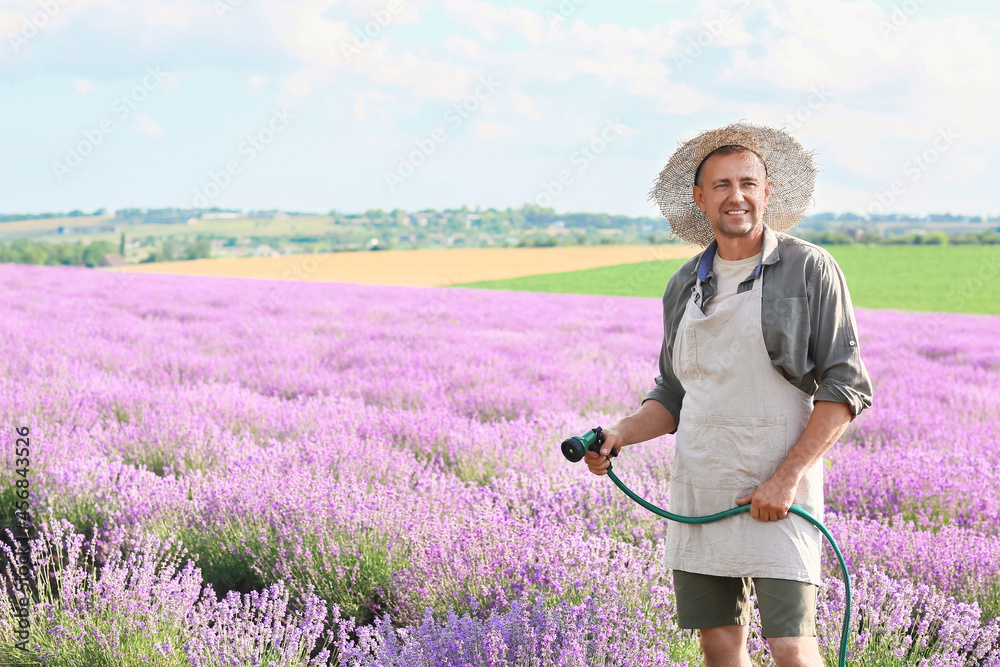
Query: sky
576, 105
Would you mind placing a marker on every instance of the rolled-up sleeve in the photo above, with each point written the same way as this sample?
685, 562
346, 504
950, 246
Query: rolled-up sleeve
833, 341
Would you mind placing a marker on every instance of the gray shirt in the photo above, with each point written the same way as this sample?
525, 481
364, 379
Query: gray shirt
806, 317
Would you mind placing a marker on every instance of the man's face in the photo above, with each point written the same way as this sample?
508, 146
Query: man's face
733, 193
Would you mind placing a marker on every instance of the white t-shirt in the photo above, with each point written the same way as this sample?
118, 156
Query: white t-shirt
729, 273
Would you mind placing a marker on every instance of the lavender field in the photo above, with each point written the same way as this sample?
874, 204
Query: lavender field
242, 472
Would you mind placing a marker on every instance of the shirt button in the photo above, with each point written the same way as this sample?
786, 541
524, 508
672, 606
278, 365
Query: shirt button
851, 343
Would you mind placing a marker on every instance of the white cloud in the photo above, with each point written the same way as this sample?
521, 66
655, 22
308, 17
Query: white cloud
83, 86
382, 12
483, 16
532, 27
489, 131
935, 70
427, 78
331, 48
808, 48
362, 97
175, 14
629, 59
895, 89
523, 104
317, 40
380, 141
301, 83
889, 91
146, 125
10, 23
468, 49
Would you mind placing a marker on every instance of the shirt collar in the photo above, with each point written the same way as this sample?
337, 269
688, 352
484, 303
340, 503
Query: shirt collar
769, 252
707, 257
768, 255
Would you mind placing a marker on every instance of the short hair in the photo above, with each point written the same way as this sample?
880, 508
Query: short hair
728, 149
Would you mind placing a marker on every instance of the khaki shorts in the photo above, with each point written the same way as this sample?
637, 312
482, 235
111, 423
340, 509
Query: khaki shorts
787, 608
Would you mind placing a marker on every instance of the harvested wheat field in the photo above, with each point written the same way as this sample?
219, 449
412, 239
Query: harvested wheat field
418, 267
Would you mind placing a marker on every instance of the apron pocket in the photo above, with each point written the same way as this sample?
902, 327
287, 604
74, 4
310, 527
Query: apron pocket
687, 366
724, 453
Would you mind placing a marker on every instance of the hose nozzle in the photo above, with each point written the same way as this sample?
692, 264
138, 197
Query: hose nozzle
574, 448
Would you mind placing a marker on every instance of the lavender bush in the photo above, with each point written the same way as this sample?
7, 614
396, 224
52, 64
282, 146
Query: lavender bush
148, 606
257, 472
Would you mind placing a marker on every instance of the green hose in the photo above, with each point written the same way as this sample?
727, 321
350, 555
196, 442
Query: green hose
794, 509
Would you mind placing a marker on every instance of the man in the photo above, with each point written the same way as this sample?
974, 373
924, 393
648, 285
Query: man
760, 349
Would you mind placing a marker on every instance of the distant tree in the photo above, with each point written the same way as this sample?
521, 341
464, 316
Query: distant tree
69, 254
934, 238
133, 215
23, 251
539, 241
199, 250
95, 252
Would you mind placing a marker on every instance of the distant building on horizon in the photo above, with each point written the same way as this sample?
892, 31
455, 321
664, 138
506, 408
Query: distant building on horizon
264, 250
112, 259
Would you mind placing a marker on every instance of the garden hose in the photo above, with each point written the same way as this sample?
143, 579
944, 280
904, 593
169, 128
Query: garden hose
574, 449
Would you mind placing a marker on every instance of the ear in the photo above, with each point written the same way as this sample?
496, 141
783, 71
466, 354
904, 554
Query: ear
699, 199
767, 191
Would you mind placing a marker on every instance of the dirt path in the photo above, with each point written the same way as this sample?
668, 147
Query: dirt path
419, 267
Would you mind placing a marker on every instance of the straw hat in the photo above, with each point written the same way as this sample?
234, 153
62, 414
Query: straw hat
789, 167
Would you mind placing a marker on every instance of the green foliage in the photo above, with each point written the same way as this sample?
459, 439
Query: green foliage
934, 238
198, 250
8, 503
989, 237
81, 631
17, 217
989, 603
26, 251
95, 252
244, 553
170, 251
828, 238
538, 241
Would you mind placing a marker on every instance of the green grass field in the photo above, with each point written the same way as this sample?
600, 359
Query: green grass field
930, 278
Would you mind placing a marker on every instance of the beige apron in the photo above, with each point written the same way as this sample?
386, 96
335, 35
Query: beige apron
738, 421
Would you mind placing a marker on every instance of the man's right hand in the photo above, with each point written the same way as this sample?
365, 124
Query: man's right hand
598, 463
651, 421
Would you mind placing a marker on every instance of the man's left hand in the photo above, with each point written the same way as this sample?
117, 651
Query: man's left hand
770, 501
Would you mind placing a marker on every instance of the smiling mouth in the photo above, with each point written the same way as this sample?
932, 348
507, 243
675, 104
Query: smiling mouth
741, 211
